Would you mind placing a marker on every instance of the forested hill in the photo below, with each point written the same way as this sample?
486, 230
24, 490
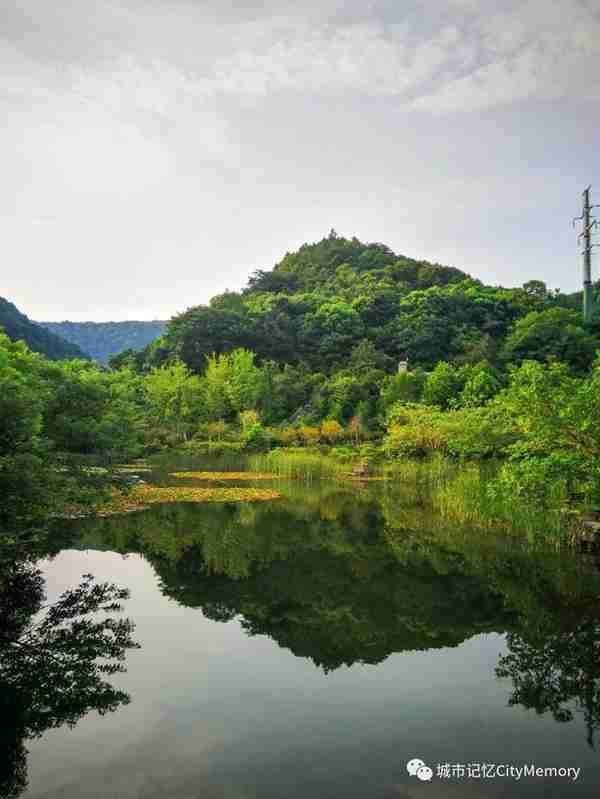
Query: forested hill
332, 265
19, 328
319, 305
105, 339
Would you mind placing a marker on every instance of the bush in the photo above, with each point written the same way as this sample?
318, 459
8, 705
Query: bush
257, 439
332, 431
443, 386
287, 436
416, 430
310, 436
401, 387
469, 433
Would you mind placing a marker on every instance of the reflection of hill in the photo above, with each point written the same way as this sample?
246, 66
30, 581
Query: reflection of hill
322, 581
344, 578
336, 610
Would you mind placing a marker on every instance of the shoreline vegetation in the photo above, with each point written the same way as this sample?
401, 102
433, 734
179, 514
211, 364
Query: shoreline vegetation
346, 362
454, 491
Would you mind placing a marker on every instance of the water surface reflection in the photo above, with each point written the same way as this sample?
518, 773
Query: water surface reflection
310, 646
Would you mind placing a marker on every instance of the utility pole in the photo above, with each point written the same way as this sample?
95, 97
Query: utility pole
586, 234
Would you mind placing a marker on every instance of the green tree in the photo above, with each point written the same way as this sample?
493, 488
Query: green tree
481, 384
50, 415
443, 386
402, 387
76, 399
216, 377
556, 418
175, 398
24, 488
345, 391
555, 333
536, 289
217, 428
244, 384
194, 335
333, 329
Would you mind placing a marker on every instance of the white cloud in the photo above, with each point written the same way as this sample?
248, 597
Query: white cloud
534, 52
477, 58
366, 58
203, 141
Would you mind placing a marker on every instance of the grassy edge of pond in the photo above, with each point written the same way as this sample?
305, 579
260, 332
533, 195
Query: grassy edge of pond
459, 490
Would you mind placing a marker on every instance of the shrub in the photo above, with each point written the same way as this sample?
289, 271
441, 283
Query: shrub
256, 438
216, 430
248, 419
287, 436
332, 431
470, 433
443, 386
309, 435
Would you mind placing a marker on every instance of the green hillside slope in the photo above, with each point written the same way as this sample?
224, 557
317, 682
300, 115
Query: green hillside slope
321, 303
19, 328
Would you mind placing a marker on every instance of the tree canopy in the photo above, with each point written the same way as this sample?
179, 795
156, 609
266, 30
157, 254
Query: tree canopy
318, 303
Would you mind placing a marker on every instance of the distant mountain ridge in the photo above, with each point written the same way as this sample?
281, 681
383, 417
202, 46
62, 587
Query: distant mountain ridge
19, 327
104, 339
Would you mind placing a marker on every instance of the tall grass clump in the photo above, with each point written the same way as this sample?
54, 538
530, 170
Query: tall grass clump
298, 464
431, 473
478, 495
474, 496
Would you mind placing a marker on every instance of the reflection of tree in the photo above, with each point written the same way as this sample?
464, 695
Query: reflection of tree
331, 591
53, 661
560, 669
321, 580
342, 577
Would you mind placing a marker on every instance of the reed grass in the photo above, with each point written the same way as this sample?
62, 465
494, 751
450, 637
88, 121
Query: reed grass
464, 493
298, 464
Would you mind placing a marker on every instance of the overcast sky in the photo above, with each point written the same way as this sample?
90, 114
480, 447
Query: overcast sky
155, 152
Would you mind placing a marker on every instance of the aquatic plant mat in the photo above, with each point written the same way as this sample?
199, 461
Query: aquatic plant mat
216, 476
369, 478
141, 497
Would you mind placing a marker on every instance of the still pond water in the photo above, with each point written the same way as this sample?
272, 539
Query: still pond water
308, 647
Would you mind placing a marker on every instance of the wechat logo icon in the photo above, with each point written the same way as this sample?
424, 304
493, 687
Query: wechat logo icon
417, 768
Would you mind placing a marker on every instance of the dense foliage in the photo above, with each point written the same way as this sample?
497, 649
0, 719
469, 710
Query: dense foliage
102, 340
58, 420
321, 302
19, 328
307, 355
